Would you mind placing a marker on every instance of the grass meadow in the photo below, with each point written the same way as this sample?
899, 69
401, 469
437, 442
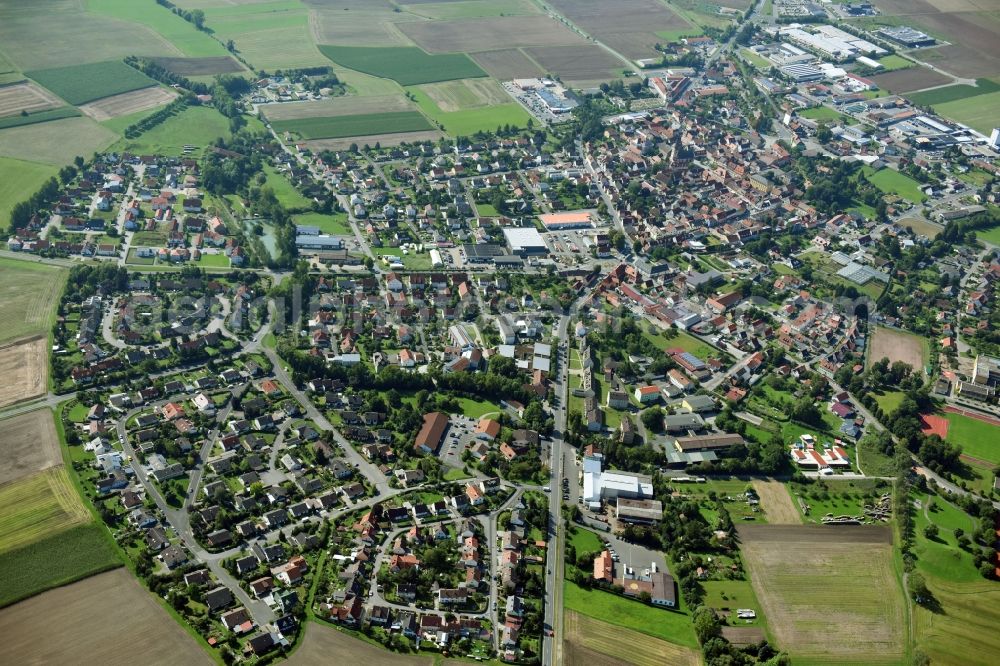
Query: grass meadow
672, 626
18, 180
29, 292
465, 122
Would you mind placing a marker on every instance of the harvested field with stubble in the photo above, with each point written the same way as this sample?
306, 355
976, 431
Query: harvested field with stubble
23, 365
591, 641
903, 81
200, 66
126, 103
391, 139
811, 577
487, 34
578, 64
898, 346
325, 645
26, 97
506, 64
94, 621
38, 506
466, 94
337, 106
28, 295
777, 503
628, 26
28, 444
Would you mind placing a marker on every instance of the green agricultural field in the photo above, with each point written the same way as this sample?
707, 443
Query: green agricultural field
38, 117
37, 506
79, 84
893, 182
358, 125
182, 34
981, 112
822, 113
19, 180
56, 141
671, 626
29, 292
891, 63
335, 225
195, 125
466, 122
954, 93
407, 65
287, 195
459, 9
977, 438
55, 560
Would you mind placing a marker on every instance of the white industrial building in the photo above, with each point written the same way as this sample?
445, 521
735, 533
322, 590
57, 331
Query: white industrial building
598, 485
525, 241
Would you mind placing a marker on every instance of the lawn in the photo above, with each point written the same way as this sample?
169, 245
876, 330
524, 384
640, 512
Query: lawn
888, 401
357, 125
79, 84
756, 60
823, 113
991, 236
213, 261
19, 179
336, 225
195, 125
182, 34
475, 409
466, 122
28, 295
585, 541
893, 182
407, 65
891, 63
287, 195
977, 438
55, 560
671, 626
682, 340
729, 595
981, 112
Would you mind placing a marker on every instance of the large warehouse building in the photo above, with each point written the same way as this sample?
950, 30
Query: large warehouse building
525, 241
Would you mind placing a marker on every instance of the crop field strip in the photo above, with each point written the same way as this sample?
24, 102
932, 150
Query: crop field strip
622, 645
200, 66
183, 35
79, 84
353, 126
28, 445
24, 367
506, 64
328, 645
28, 295
129, 102
811, 577
487, 34
407, 65
98, 618
37, 506
27, 97
337, 106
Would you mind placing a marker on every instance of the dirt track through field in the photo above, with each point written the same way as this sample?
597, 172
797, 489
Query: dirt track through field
23, 365
105, 619
777, 503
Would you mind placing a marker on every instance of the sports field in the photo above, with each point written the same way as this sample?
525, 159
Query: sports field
595, 642
897, 345
823, 113
79, 84
351, 126
95, 621
407, 65
979, 438
810, 578
672, 626
29, 292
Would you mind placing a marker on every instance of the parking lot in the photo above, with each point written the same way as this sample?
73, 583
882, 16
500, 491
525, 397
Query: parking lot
461, 435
